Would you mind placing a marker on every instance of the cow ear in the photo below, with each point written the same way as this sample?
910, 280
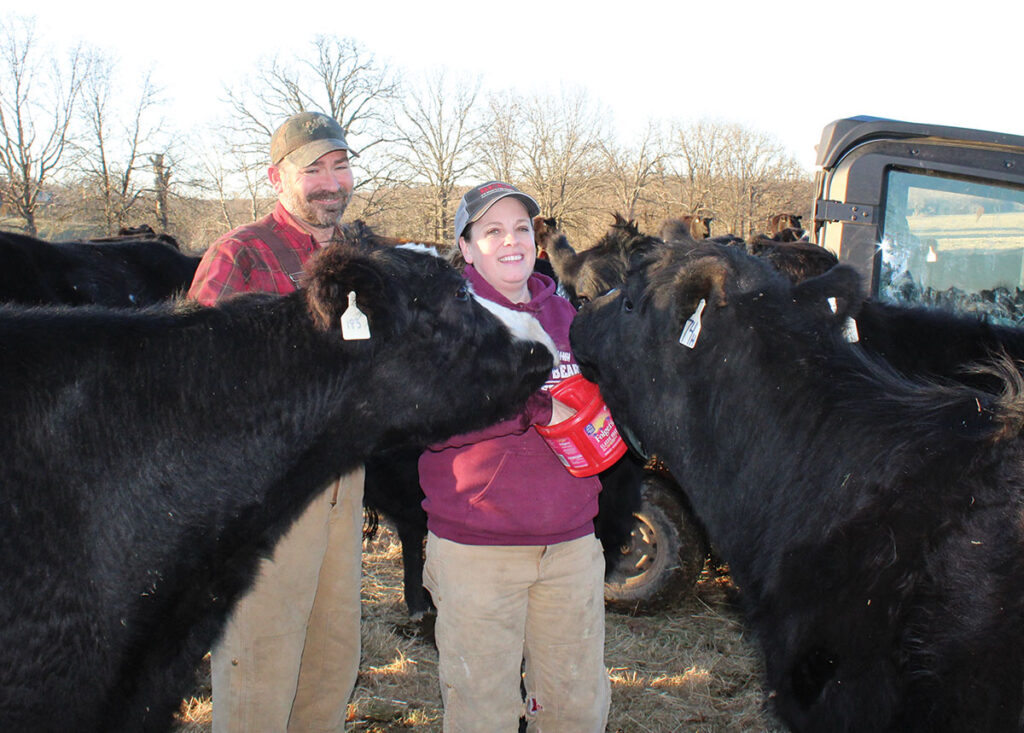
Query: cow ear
337, 271
840, 287
703, 280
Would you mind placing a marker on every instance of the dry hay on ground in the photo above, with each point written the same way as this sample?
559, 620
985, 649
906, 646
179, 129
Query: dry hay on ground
694, 671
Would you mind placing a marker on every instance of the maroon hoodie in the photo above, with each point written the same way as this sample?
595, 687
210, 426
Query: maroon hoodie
503, 485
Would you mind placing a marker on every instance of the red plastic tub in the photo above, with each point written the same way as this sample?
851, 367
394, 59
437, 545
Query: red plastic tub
587, 443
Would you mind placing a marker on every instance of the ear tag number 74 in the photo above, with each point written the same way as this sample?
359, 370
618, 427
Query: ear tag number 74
354, 325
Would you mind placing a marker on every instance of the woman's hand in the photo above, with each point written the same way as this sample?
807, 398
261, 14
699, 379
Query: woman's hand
560, 412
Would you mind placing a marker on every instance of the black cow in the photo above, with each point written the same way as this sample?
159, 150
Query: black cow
586, 274
153, 456
142, 231
874, 523
918, 340
127, 271
797, 260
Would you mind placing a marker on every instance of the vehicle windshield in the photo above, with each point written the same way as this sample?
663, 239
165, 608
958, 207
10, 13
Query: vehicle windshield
955, 244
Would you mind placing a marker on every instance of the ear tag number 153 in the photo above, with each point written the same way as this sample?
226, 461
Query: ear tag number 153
354, 326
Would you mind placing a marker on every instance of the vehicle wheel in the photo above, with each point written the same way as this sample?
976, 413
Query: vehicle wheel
664, 557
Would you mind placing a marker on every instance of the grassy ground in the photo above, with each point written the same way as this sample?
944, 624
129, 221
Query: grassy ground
694, 670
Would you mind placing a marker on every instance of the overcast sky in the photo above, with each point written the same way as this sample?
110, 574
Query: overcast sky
785, 68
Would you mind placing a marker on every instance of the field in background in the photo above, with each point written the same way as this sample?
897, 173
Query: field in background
693, 671
968, 231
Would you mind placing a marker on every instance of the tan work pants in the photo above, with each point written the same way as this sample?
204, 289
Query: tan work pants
289, 656
497, 605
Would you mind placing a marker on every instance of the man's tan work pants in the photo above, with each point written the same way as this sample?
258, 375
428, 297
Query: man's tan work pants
289, 656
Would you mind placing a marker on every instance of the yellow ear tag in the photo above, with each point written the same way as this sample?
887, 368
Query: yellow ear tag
354, 326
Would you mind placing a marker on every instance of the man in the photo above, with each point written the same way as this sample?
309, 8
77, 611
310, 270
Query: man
290, 654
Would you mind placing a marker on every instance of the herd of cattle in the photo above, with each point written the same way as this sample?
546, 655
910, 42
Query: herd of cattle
865, 484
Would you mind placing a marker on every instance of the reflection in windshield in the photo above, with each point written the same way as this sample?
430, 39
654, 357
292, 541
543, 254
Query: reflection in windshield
953, 244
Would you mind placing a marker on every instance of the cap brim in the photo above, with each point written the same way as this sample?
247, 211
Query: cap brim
311, 152
532, 207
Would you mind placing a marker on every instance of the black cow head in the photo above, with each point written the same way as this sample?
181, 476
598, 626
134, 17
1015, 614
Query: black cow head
852, 503
357, 268
591, 272
680, 313
420, 311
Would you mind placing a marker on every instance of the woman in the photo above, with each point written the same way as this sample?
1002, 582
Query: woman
512, 563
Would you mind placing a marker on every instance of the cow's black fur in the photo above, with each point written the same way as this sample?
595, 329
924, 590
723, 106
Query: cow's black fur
586, 274
151, 457
142, 231
874, 523
797, 260
917, 340
126, 271
392, 489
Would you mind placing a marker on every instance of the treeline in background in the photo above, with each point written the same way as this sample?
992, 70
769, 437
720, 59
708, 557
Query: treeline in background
87, 149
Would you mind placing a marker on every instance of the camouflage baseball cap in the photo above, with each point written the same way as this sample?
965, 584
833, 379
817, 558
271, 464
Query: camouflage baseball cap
305, 137
480, 199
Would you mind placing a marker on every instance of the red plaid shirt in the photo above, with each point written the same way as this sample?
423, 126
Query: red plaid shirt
241, 261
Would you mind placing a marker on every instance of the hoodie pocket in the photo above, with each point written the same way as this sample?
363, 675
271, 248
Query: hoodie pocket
522, 499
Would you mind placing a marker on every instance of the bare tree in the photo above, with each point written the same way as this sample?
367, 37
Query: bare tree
119, 139
36, 111
560, 151
162, 189
698, 148
339, 77
229, 175
752, 165
738, 175
632, 171
499, 148
437, 134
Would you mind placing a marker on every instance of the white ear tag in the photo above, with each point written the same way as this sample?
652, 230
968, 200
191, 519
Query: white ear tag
691, 329
354, 326
850, 332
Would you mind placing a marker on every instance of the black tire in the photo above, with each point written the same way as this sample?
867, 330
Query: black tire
662, 561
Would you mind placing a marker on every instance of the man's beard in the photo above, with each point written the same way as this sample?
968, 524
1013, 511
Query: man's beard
322, 215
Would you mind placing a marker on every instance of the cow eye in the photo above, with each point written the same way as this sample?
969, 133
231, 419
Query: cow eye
462, 293
627, 305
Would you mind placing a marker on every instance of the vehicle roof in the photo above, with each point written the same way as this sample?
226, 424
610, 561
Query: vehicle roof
840, 136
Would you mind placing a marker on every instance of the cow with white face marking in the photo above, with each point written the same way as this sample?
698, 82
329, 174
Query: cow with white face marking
153, 457
874, 522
